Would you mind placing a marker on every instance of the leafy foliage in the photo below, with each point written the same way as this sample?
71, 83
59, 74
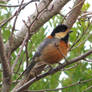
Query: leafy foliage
82, 71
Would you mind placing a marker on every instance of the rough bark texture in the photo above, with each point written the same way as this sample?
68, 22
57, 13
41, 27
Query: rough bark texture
5, 67
73, 15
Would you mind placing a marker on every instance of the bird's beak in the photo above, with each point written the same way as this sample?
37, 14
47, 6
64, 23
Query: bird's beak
70, 31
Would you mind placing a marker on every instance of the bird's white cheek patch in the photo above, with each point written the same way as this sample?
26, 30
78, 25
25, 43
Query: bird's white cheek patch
61, 34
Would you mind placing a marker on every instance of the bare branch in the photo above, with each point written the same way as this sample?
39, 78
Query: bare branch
23, 44
7, 20
78, 39
16, 13
5, 0
13, 28
74, 84
5, 66
84, 15
88, 60
3, 5
86, 90
75, 12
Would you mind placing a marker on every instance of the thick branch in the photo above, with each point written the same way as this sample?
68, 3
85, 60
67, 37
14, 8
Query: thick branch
5, 66
74, 13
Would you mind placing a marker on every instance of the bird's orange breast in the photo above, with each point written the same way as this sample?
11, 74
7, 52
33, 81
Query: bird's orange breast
53, 53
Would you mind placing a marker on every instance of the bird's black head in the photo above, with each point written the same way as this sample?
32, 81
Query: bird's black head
61, 32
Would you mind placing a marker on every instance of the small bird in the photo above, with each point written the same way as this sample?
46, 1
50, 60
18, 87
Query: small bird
53, 49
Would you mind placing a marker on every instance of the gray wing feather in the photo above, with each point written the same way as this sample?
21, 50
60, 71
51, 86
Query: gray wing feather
44, 44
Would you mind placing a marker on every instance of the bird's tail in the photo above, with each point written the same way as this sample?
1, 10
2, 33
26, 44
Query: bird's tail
28, 69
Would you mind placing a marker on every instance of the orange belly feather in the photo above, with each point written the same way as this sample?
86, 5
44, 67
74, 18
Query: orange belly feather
53, 54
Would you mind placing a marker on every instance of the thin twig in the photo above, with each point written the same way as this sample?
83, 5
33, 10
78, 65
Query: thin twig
7, 20
3, 5
88, 60
18, 11
84, 32
82, 41
84, 15
13, 28
64, 17
65, 69
23, 44
86, 90
27, 55
19, 65
57, 89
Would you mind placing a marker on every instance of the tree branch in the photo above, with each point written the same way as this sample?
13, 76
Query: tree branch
57, 89
5, 66
4, 5
58, 68
4, 0
74, 13
86, 90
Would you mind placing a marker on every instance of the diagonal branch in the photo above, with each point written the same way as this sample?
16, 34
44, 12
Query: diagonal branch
74, 13
57, 89
4, 0
58, 68
9, 6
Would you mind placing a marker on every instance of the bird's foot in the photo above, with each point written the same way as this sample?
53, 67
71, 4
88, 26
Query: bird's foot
35, 74
66, 61
60, 64
50, 68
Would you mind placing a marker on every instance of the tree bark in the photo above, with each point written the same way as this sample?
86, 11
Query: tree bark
5, 66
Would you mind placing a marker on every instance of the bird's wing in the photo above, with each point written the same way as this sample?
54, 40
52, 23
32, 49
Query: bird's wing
44, 45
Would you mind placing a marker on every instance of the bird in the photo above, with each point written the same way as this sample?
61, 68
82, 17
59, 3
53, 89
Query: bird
53, 48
